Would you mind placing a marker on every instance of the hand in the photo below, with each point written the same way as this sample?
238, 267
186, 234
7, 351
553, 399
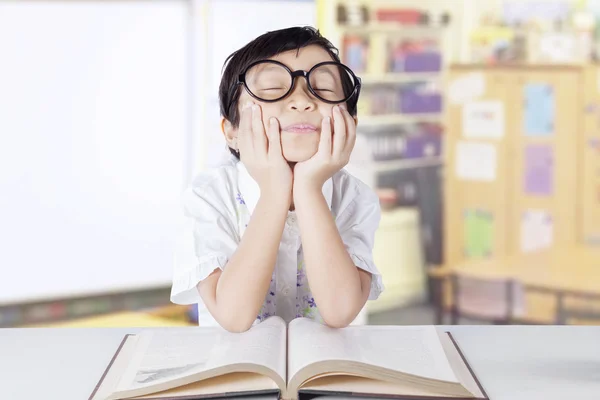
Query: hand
261, 153
330, 157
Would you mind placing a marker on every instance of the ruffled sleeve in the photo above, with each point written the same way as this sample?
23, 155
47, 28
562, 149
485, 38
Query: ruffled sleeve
207, 240
357, 224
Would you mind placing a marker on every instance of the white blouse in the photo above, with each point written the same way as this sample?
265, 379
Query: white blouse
217, 207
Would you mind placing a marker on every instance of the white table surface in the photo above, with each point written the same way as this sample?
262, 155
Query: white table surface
512, 362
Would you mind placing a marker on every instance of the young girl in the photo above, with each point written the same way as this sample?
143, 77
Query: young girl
282, 229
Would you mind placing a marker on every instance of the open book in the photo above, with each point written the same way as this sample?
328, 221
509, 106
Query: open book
305, 357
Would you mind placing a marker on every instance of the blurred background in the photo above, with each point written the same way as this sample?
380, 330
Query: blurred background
479, 128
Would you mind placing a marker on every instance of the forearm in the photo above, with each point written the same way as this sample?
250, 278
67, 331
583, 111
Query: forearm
242, 286
334, 280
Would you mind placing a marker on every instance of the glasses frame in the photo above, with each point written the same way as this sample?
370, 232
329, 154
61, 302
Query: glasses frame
306, 75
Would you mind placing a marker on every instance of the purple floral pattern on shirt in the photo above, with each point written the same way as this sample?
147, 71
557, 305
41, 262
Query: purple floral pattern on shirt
240, 199
306, 306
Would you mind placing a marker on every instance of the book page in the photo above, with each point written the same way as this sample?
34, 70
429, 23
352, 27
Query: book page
414, 350
458, 365
165, 355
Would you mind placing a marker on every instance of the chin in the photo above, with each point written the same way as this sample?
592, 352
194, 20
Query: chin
298, 155
298, 148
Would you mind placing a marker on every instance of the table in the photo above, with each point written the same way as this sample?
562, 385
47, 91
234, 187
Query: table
512, 362
565, 271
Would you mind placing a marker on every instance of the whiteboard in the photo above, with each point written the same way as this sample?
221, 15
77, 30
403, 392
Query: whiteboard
93, 127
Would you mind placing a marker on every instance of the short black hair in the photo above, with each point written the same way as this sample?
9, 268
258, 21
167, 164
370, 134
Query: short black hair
265, 46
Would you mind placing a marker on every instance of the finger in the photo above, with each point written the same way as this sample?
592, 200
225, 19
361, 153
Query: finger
350, 130
274, 137
258, 131
339, 132
325, 140
244, 136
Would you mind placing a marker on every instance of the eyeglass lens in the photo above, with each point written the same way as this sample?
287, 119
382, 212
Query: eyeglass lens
269, 81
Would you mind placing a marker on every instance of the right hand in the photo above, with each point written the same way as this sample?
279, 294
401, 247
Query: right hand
261, 153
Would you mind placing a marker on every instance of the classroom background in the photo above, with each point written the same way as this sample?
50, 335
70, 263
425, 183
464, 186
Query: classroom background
479, 128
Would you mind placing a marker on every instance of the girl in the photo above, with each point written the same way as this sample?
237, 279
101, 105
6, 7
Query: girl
282, 229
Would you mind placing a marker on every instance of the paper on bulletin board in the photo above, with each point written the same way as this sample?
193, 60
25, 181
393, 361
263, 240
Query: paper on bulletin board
478, 233
557, 47
475, 161
466, 88
483, 120
537, 230
539, 109
539, 170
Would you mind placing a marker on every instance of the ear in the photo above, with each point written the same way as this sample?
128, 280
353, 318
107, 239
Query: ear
230, 133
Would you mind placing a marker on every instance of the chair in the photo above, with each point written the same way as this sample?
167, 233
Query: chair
576, 308
495, 301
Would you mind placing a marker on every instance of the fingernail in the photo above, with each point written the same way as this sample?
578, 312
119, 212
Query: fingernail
327, 120
247, 105
342, 106
272, 121
254, 107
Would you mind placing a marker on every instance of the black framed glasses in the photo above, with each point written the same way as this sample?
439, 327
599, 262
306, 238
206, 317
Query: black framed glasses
270, 81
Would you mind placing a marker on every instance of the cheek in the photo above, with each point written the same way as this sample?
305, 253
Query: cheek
269, 110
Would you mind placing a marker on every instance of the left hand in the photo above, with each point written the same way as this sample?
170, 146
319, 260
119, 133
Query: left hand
333, 153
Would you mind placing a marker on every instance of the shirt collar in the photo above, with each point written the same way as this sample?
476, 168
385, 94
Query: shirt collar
250, 191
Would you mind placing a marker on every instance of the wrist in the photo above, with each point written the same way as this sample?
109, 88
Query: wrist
307, 184
276, 198
306, 189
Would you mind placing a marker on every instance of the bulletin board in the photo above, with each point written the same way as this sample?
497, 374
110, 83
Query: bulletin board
590, 160
514, 159
546, 122
476, 165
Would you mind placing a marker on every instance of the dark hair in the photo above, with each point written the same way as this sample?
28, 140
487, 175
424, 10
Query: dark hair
263, 47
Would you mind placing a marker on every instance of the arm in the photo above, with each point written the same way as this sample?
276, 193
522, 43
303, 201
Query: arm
339, 287
235, 295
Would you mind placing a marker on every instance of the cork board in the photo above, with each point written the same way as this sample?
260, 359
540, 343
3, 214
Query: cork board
476, 169
543, 151
589, 162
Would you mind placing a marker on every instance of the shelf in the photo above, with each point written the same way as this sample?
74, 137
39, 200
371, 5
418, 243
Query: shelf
396, 29
395, 165
397, 119
400, 77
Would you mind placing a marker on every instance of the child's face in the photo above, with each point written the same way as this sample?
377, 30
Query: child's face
300, 111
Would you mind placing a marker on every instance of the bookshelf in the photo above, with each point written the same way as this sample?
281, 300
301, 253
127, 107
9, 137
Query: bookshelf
400, 61
395, 165
390, 28
398, 119
399, 77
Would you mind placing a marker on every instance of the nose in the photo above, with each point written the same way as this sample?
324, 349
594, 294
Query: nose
301, 99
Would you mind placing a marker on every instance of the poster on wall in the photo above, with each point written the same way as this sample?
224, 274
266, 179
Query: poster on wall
537, 230
478, 233
483, 120
539, 109
475, 161
538, 179
466, 88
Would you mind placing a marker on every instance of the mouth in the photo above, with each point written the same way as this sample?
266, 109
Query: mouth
300, 128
